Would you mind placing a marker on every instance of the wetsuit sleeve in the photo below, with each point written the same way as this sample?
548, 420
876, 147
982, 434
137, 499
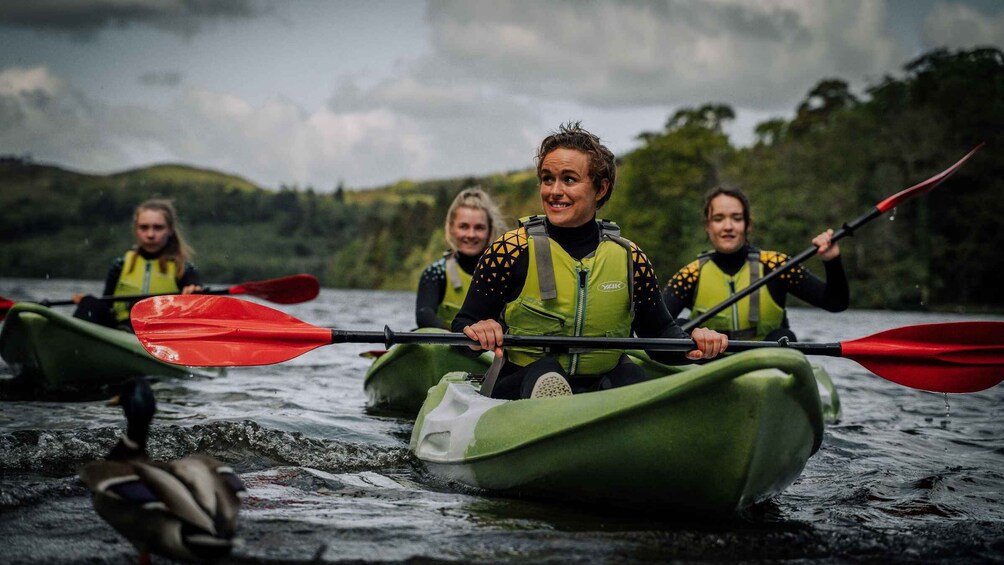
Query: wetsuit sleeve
682, 287
431, 290
832, 295
652, 319
191, 276
498, 278
112, 279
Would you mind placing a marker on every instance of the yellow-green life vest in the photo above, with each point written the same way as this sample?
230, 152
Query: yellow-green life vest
457, 283
565, 297
145, 277
752, 317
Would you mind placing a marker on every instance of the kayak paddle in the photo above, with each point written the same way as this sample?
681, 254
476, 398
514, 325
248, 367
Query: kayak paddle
219, 331
847, 229
286, 290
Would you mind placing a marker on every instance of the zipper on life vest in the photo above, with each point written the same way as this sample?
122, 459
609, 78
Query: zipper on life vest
580, 317
735, 306
146, 278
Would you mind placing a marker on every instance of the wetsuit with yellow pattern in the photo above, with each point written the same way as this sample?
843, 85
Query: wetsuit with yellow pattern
432, 289
502, 272
832, 294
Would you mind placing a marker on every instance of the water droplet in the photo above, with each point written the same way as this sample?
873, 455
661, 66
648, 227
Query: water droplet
892, 215
948, 407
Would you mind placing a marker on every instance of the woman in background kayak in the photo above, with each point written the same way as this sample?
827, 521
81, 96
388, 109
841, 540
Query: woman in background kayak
472, 221
567, 273
157, 264
716, 275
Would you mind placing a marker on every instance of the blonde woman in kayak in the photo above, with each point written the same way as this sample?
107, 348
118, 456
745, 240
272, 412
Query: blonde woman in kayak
472, 222
735, 263
157, 264
567, 273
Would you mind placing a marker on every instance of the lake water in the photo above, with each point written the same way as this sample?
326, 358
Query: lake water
905, 475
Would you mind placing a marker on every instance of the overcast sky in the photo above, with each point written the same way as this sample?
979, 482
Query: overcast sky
369, 92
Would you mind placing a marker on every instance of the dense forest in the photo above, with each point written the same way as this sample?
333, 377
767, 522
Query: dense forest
838, 156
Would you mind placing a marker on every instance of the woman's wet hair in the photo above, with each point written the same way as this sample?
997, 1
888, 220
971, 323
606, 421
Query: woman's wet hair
176, 248
476, 198
602, 164
734, 192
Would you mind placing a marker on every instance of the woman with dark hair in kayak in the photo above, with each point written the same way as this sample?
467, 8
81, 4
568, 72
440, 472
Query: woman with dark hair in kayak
157, 264
734, 263
568, 273
472, 222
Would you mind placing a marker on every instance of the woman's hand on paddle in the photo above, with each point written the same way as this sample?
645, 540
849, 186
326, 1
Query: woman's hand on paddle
488, 334
827, 249
709, 344
191, 289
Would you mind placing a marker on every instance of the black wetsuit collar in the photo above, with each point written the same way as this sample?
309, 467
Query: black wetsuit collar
730, 263
467, 262
149, 256
579, 241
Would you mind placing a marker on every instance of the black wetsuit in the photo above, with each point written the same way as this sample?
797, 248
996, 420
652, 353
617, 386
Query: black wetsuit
832, 294
101, 312
499, 278
432, 289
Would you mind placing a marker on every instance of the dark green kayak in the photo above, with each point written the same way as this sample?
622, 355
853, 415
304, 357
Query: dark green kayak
399, 379
50, 351
710, 439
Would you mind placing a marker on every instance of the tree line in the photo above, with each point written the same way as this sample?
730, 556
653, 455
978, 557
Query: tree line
835, 158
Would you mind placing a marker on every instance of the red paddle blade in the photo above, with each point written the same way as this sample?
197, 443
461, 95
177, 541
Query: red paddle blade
286, 290
926, 186
948, 357
215, 331
5, 306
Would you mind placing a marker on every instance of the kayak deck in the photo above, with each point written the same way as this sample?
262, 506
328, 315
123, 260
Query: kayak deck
399, 379
48, 351
712, 439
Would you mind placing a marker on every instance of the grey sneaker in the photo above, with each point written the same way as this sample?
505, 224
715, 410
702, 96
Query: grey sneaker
551, 384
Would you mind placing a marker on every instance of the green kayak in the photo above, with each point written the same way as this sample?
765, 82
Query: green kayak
711, 439
50, 351
399, 379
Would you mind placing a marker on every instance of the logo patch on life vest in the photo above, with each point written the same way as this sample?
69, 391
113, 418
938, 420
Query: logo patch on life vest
612, 286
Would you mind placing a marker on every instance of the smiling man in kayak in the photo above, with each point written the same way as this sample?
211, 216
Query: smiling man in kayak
735, 264
567, 273
472, 222
158, 263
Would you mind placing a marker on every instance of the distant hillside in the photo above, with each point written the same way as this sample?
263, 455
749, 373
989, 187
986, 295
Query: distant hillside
58, 222
183, 174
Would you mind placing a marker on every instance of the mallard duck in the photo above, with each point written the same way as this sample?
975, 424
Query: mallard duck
184, 509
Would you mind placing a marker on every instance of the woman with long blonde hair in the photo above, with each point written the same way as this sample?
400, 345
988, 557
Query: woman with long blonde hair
472, 222
158, 263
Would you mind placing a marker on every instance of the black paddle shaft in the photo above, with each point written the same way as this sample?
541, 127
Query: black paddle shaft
389, 337
127, 297
847, 229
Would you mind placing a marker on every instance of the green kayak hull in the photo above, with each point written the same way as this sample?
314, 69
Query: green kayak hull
50, 351
399, 379
711, 439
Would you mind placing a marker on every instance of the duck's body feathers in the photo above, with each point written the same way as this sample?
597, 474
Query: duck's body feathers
185, 509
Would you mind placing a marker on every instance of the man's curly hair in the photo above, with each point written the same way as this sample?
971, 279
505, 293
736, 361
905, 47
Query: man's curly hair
571, 135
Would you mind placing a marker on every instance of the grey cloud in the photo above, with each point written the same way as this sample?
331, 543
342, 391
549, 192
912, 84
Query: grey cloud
161, 78
82, 19
960, 26
606, 53
44, 117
